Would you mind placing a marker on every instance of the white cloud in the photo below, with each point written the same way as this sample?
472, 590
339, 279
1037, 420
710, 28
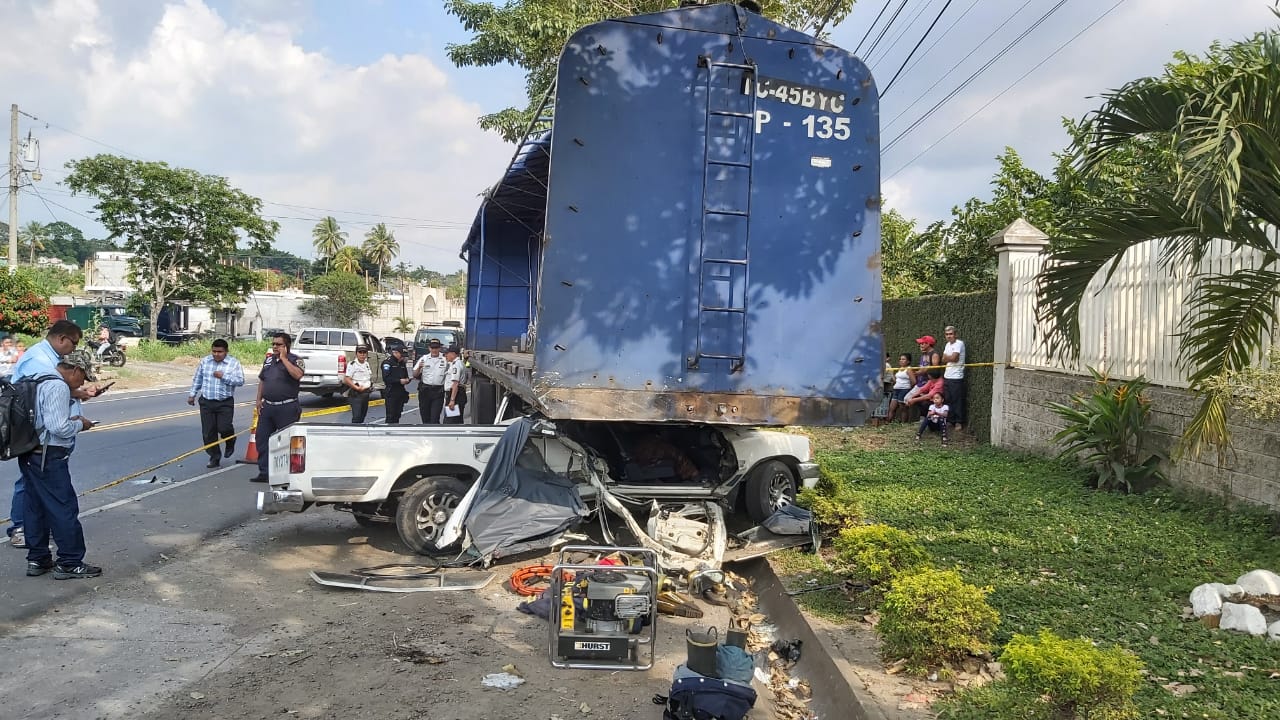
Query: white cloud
248, 101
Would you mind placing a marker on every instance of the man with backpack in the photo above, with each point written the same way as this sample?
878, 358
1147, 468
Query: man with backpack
51, 505
42, 359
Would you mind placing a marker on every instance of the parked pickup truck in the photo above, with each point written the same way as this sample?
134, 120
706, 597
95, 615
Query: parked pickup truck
415, 475
325, 353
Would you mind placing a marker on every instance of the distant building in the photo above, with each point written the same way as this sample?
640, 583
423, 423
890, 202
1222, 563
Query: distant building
107, 274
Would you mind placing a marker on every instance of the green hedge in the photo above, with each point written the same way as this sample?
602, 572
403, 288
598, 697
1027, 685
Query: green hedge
974, 315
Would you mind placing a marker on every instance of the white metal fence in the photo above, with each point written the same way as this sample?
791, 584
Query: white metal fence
1130, 325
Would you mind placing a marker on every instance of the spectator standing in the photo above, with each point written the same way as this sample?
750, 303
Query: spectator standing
953, 354
903, 379
42, 359
454, 389
395, 374
358, 378
8, 358
214, 385
935, 419
277, 403
51, 507
430, 371
21, 347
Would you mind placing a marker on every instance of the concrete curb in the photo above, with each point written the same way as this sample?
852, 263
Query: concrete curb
837, 691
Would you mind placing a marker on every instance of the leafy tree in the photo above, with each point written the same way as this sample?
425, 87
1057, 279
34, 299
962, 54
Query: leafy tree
1217, 118
56, 280
178, 223
907, 257
404, 324
455, 285
347, 260
328, 239
343, 298
531, 33
221, 287
23, 309
430, 277
380, 247
31, 236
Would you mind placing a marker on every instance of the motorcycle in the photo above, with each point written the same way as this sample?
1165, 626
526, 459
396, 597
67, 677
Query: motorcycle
113, 355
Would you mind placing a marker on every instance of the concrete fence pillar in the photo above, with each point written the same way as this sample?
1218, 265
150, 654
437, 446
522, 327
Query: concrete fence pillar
1020, 238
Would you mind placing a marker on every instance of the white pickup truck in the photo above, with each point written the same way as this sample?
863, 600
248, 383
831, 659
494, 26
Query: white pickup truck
415, 475
325, 353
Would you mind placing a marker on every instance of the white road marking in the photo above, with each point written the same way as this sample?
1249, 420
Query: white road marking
149, 493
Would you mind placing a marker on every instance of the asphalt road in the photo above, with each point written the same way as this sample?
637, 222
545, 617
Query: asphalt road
129, 526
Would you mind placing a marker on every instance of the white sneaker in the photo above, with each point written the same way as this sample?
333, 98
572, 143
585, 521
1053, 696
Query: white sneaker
18, 539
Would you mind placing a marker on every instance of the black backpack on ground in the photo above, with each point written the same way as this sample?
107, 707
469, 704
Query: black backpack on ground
18, 434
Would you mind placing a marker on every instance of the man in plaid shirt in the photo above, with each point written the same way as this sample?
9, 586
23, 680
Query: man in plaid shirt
215, 382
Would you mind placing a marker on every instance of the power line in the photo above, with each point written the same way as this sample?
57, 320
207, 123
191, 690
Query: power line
872, 26
974, 76
442, 223
957, 65
903, 66
893, 41
885, 29
1024, 76
941, 37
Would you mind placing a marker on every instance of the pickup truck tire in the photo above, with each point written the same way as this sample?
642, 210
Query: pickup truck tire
424, 509
769, 486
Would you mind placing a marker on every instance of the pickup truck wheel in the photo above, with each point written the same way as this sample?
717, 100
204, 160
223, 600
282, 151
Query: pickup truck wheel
770, 486
425, 508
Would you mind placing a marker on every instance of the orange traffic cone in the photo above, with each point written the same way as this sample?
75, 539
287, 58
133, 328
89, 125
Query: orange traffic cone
251, 452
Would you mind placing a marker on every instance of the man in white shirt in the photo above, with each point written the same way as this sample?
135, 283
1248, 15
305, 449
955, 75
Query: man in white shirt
953, 387
358, 378
430, 370
455, 391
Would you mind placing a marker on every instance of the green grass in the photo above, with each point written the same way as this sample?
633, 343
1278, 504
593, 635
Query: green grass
249, 352
1113, 568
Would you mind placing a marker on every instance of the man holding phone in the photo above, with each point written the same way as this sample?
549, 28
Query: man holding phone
42, 359
51, 506
278, 387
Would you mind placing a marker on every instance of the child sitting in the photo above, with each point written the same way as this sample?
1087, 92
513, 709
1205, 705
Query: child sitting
935, 419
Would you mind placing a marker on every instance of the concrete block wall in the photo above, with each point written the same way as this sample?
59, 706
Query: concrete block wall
1250, 472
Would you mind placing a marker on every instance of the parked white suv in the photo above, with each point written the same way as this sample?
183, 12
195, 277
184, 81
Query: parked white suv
326, 352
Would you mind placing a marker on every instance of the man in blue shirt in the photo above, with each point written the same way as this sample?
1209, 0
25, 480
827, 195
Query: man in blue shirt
51, 506
42, 359
215, 382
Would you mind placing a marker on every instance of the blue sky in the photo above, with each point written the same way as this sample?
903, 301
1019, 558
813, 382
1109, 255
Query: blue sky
352, 108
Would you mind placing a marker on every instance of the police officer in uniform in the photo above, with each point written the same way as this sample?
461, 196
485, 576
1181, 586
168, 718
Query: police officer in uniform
396, 376
278, 386
455, 391
359, 380
430, 371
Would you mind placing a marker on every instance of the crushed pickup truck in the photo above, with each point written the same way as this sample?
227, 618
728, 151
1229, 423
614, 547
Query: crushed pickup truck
495, 490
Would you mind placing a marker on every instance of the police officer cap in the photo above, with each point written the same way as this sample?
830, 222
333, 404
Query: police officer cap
452, 349
434, 343
398, 349
362, 348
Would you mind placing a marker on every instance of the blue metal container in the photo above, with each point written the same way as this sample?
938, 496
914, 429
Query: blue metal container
697, 238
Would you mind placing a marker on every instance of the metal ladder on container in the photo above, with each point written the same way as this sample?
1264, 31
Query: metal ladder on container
721, 269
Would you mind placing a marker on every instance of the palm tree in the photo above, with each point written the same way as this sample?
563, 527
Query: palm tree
328, 238
347, 259
380, 247
33, 235
403, 324
1208, 129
